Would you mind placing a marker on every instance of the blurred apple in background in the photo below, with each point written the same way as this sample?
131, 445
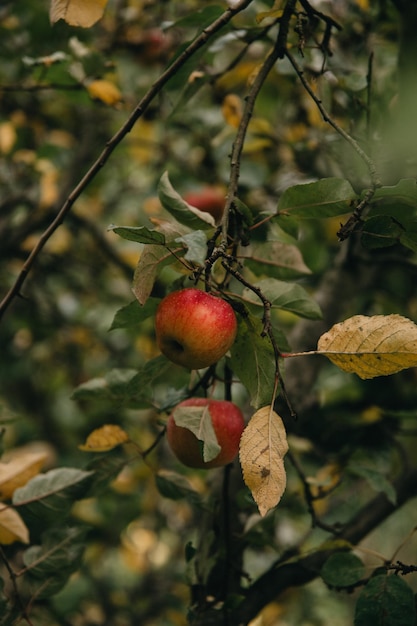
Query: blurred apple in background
210, 199
228, 425
194, 328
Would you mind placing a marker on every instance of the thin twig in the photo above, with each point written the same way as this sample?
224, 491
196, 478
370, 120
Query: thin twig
329, 21
369, 77
402, 568
241, 55
284, 27
348, 227
267, 331
316, 522
241, 135
13, 577
375, 180
141, 107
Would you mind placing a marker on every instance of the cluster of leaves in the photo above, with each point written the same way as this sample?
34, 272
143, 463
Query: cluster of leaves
268, 256
41, 503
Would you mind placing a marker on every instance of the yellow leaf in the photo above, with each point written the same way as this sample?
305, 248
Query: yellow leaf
298, 132
325, 480
105, 438
275, 14
371, 346
256, 145
49, 187
8, 137
314, 116
372, 414
58, 244
363, 5
105, 91
261, 126
18, 471
262, 449
12, 527
237, 77
144, 136
232, 110
83, 13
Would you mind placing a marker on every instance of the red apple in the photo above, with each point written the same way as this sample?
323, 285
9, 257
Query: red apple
157, 45
208, 199
194, 328
228, 424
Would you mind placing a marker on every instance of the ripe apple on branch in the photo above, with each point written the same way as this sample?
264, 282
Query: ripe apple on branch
227, 422
194, 328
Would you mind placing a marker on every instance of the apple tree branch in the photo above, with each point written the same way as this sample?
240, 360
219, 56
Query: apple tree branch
136, 114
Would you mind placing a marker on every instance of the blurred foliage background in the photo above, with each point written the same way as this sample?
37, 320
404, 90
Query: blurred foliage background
64, 92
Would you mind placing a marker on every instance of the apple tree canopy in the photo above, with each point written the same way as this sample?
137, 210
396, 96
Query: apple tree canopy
260, 151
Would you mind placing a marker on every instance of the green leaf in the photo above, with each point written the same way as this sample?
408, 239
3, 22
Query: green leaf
405, 191
131, 315
196, 244
198, 420
395, 209
325, 198
286, 296
146, 376
289, 225
201, 18
128, 388
53, 562
182, 211
409, 236
141, 387
152, 260
180, 80
342, 569
253, 361
381, 231
386, 601
49, 497
59, 550
375, 479
105, 469
140, 234
276, 260
244, 211
176, 487
112, 389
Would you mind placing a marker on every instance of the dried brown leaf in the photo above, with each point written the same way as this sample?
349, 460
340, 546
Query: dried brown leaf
12, 527
18, 471
371, 346
83, 13
262, 449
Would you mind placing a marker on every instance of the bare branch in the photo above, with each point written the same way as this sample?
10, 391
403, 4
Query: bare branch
293, 573
375, 180
141, 107
239, 141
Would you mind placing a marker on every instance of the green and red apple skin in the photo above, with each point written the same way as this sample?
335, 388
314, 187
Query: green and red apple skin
228, 424
194, 328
